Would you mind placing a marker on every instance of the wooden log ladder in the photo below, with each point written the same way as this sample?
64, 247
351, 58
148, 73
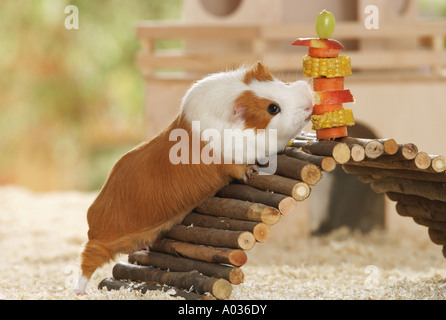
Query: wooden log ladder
202, 257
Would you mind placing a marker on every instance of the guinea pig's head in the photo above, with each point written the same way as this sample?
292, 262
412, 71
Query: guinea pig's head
250, 101
270, 104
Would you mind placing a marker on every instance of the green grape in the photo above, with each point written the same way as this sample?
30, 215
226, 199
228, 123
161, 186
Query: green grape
325, 23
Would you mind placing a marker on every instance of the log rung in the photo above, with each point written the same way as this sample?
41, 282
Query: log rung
115, 284
169, 262
201, 284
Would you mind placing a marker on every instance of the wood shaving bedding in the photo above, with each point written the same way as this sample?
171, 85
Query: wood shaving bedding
42, 234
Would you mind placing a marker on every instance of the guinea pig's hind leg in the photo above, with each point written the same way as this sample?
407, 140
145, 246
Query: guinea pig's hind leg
147, 247
241, 172
250, 170
81, 285
95, 254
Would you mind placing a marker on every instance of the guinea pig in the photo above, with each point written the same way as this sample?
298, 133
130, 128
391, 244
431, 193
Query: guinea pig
146, 193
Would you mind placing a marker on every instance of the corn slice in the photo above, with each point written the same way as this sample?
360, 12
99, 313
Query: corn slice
337, 118
327, 67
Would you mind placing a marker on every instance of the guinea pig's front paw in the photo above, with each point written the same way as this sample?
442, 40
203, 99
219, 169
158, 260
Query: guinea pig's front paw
251, 170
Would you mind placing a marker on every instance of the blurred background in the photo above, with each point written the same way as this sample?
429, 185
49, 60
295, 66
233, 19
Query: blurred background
73, 101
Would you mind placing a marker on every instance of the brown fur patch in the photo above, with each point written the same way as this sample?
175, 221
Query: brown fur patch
255, 112
259, 73
145, 194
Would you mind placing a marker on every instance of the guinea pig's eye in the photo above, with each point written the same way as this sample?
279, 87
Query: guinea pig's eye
273, 109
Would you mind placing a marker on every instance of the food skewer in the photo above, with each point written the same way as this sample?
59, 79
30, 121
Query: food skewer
323, 63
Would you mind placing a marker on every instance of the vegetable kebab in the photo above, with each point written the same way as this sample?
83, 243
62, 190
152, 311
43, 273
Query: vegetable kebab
323, 63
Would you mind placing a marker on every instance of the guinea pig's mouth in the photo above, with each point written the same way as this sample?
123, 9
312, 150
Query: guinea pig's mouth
310, 104
310, 112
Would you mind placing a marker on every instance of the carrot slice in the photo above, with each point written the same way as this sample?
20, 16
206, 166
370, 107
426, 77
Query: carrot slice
330, 133
323, 52
328, 84
319, 109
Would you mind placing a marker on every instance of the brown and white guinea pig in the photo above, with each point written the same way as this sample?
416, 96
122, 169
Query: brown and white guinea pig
146, 193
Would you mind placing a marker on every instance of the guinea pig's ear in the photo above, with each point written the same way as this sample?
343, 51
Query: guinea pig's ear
259, 72
239, 110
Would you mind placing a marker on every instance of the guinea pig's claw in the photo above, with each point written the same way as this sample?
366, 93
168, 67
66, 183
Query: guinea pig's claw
79, 293
147, 246
250, 171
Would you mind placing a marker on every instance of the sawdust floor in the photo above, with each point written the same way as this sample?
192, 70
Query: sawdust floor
41, 236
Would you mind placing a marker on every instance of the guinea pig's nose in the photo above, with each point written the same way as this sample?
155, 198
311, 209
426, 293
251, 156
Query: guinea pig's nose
309, 94
306, 89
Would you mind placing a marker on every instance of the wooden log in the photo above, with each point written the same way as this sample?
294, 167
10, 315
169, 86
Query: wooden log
300, 191
372, 148
340, 151
335, 149
422, 160
298, 169
239, 209
425, 189
357, 153
418, 207
219, 288
235, 257
390, 146
327, 164
420, 212
168, 262
438, 163
259, 229
300, 143
386, 163
367, 179
379, 173
284, 204
437, 236
413, 212
306, 136
283, 185
409, 211
212, 237
360, 147
407, 151
433, 224
114, 284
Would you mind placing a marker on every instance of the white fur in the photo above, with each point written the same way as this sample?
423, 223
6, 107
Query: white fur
295, 102
211, 101
81, 285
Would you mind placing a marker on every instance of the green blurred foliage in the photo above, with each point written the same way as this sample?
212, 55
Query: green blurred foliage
71, 101
432, 8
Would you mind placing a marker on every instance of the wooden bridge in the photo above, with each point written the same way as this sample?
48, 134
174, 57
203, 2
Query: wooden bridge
207, 251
